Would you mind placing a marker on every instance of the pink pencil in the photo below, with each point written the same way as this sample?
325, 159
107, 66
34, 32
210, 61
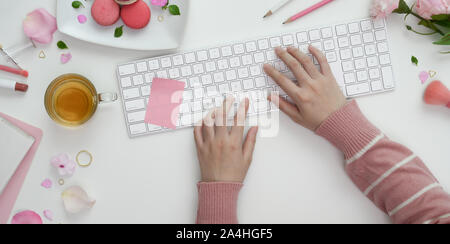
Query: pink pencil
307, 11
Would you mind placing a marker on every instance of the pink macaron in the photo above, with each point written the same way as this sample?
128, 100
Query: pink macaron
105, 12
136, 15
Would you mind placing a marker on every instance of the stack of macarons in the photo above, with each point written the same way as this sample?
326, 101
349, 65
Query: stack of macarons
134, 13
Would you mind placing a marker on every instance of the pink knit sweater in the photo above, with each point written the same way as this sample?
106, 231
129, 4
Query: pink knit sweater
389, 174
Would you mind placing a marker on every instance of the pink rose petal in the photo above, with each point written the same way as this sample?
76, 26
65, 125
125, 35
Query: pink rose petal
159, 2
65, 58
26, 218
39, 26
82, 18
423, 76
47, 183
48, 214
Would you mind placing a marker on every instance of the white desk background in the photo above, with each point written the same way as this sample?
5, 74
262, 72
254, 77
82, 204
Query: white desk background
295, 177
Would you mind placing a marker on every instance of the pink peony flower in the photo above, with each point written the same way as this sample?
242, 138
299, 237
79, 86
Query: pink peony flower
27, 217
383, 8
39, 26
428, 8
63, 164
161, 3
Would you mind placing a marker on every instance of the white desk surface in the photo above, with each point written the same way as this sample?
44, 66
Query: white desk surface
296, 177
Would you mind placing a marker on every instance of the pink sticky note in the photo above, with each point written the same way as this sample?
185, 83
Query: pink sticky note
164, 104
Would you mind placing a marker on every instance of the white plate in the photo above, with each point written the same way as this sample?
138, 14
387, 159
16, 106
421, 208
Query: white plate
157, 35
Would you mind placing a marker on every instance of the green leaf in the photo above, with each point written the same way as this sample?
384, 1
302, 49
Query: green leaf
444, 23
403, 8
165, 6
441, 17
425, 23
118, 32
174, 10
77, 4
445, 40
414, 60
62, 45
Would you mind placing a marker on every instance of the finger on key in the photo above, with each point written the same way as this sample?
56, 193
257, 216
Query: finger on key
239, 119
286, 107
287, 85
306, 61
323, 62
222, 115
293, 64
198, 136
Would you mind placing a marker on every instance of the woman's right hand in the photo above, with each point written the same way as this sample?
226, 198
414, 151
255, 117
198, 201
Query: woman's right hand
316, 95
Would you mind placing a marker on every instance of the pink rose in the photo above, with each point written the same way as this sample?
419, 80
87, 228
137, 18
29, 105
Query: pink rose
39, 26
383, 8
63, 164
161, 3
428, 8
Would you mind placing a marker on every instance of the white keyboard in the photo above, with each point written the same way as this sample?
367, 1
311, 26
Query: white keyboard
358, 53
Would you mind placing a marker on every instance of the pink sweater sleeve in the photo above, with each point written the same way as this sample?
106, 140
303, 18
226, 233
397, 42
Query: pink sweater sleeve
217, 202
388, 173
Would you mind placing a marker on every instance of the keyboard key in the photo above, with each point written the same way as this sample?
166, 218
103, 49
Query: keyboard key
355, 40
227, 51
317, 45
178, 60
153, 64
127, 69
188, 95
377, 85
331, 57
248, 84
288, 40
239, 49
366, 25
138, 80
358, 89
198, 69
126, 82
382, 47
259, 58
135, 105
219, 77
349, 78
186, 71
353, 28
184, 108
195, 82
166, 62
346, 54
190, 58
368, 37
358, 52
388, 78
247, 60
136, 116
275, 42
378, 23
380, 35
214, 53
362, 75
235, 62
360, 63
222, 64
251, 46
145, 91
385, 59
327, 32
372, 61
138, 129
141, 67
341, 30
374, 74
211, 91
260, 82
197, 106
236, 86
186, 119
314, 35
243, 73
343, 42
224, 88
347, 66
162, 74
231, 75
207, 79
370, 49
263, 44
328, 45
302, 37
202, 56
174, 73
199, 93
255, 70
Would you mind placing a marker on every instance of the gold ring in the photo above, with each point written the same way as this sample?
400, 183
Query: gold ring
61, 182
90, 159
